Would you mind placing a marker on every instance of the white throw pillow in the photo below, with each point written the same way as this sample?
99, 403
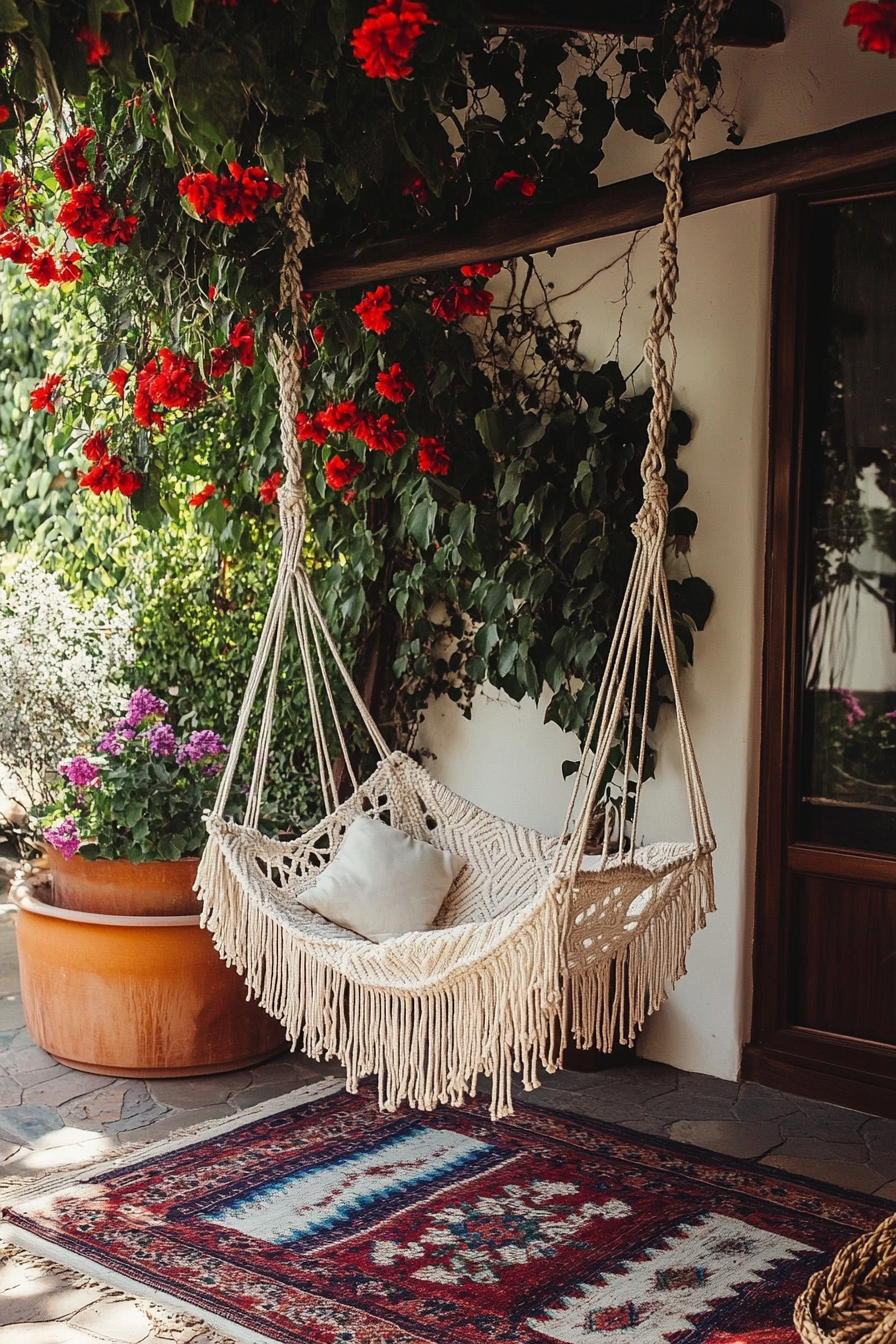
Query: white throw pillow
383, 883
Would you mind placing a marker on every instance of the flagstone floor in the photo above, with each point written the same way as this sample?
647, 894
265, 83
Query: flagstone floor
51, 1116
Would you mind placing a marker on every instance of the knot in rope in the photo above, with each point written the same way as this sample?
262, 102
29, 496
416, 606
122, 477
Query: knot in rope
650, 523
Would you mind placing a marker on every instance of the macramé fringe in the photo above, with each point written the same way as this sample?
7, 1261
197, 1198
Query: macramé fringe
609, 1000
426, 1046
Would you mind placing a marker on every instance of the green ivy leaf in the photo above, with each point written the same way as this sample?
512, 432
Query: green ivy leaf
11, 18
182, 11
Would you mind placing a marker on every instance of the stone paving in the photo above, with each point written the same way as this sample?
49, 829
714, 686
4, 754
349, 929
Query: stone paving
51, 1116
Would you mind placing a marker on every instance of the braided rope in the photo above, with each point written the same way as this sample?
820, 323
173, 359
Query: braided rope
853, 1300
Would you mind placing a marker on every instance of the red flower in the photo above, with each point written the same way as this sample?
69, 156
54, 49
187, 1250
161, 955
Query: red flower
230, 200
87, 214
222, 361
374, 309
385, 41
267, 491
526, 186
876, 24
350, 496
212, 291
94, 448
304, 354
118, 377
110, 474
201, 496
341, 471
69, 164
42, 398
415, 186
393, 385
177, 384
242, 341
5, 114
319, 335
14, 246
307, 300
485, 268
461, 301
433, 457
143, 409
43, 268
382, 435
67, 268
338, 419
96, 47
10, 189
309, 427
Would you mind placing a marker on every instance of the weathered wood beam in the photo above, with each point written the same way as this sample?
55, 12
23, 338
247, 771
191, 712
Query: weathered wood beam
746, 23
713, 181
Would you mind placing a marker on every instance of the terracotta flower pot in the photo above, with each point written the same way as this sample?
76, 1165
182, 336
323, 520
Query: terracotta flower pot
137, 997
119, 887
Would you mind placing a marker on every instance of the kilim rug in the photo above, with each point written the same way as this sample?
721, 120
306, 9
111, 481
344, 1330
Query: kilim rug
320, 1220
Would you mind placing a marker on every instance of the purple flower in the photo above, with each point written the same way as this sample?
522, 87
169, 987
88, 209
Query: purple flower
161, 740
891, 715
64, 837
200, 746
854, 711
110, 744
144, 705
80, 772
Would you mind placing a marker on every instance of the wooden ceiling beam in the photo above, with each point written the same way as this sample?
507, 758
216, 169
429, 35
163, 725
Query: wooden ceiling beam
746, 23
711, 182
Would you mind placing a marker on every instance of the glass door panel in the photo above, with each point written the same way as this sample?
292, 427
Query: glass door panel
848, 786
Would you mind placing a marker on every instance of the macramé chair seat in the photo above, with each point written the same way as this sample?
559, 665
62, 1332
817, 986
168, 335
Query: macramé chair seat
536, 938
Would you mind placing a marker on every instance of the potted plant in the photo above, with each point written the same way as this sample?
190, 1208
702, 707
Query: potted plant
126, 831
117, 974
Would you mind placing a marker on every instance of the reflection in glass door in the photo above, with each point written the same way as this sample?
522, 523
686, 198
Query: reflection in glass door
848, 792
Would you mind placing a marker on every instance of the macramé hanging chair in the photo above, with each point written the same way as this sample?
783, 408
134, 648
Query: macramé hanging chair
535, 939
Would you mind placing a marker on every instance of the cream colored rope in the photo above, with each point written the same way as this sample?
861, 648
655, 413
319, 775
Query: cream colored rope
647, 594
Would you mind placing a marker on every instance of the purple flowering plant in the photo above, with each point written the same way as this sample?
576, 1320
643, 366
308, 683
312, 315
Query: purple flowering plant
140, 793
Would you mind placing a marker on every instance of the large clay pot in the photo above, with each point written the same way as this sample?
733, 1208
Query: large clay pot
137, 997
119, 887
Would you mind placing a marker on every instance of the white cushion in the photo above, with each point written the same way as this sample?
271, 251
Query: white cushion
382, 883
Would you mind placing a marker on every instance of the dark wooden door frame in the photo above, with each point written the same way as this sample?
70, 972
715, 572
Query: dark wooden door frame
861, 1074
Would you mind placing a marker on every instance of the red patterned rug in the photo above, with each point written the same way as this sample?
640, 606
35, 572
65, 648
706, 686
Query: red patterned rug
325, 1221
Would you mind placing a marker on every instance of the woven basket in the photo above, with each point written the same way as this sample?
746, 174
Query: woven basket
853, 1301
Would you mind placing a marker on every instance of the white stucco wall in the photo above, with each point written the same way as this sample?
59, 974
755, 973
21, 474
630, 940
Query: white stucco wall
505, 758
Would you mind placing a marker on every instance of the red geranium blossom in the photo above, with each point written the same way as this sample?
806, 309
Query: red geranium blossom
69, 164
110, 474
485, 268
309, 427
96, 47
341, 471
415, 186
43, 268
14, 246
143, 410
319, 334
87, 214
177, 384
433, 457
393, 385
385, 41
43, 396
10, 189
222, 361
94, 448
338, 419
525, 185
462, 301
374, 309
382, 435
67, 267
118, 377
5, 114
876, 24
201, 496
242, 341
267, 491
230, 200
